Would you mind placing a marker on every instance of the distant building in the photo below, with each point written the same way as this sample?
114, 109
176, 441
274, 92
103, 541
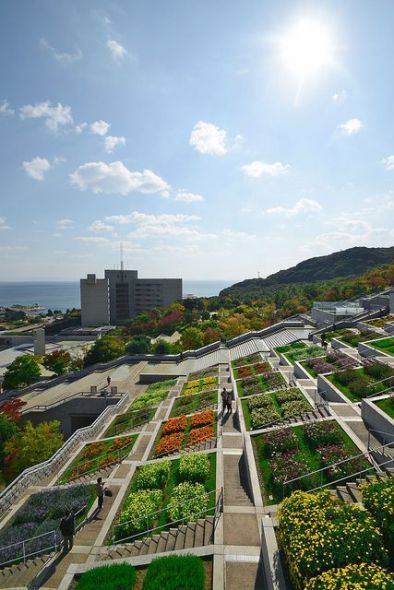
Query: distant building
121, 295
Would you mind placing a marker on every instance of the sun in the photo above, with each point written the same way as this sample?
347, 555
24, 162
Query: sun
306, 48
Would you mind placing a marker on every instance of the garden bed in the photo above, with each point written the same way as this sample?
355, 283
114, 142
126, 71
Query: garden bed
260, 383
380, 322
333, 361
386, 405
288, 453
303, 353
352, 337
199, 385
184, 431
249, 370
42, 513
194, 403
98, 455
128, 421
155, 393
356, 384
210, 372
268, 408
251, 359
290, 347
155, 487
385, 345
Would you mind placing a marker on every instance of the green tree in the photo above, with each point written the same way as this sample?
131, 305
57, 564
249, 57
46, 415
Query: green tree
7, 429
192, 338
23, 371
162, 347
139, 345
30, 446
58, 361
105, 349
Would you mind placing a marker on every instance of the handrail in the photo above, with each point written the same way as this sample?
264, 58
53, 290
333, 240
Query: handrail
336, 463
99, 394
218, 505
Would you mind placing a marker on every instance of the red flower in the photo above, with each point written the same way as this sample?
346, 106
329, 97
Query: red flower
175, 425
203, 418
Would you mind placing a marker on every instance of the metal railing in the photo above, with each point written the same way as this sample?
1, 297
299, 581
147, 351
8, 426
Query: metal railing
33, 474
54, 543
102, 393
335, 465
155, 516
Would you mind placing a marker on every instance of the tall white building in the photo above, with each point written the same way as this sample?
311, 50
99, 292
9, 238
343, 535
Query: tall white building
121, 295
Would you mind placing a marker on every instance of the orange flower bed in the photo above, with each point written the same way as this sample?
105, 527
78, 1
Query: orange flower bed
244, 372
170, 444
93, 450
198, 435
119, 443
262, 368
202, 418
175, 425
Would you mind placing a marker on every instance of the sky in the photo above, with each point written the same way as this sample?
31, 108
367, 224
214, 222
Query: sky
213, 139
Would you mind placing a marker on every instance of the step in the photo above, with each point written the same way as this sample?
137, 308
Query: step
344, 494
153, 544
208, 531
145, 546
190, 533
161, 545
199, 536
180, 538
171, 539
354, 491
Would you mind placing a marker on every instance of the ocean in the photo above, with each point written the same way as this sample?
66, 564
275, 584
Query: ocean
65, 295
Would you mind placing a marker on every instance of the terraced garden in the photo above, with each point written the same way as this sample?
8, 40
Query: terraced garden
267, 408
356, 384
333, 361
98, 455
301, 353
184, 432
289, 453
198, 385
249, 370
387, 405
260, 383
247, 360
155, 394
352, 337
130, 420
177, 488
194, 403
385, 345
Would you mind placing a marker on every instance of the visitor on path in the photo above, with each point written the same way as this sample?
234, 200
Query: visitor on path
229, 402
224, 400
67, 528
324, 342
108, 380
100, 492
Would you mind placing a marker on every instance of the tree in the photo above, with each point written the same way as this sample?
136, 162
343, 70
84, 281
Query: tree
30, 446
162, 347
192, 338
104, 349
58, 361
211, 335
138, 345
23, 371
7, 430
11, 409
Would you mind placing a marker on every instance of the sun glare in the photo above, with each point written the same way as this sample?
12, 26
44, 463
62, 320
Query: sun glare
306, 48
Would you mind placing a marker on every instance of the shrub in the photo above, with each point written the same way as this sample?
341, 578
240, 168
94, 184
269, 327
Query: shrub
286, 466
379, 371
289, 395
318, 534
194, 467
352, 577
137, 513
359, 386
345, 377
264, 416
294, 408
175, 425
323, 433
188, 501
260, 401
108, 577
174, 572
152, 476
378, 498
279, 441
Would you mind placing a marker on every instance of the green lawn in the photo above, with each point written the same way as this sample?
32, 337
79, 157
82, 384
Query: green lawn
129, 420
272, 491
387, 405
303, 353
194, 403
172, 481
290, 347
385, 345
368, 389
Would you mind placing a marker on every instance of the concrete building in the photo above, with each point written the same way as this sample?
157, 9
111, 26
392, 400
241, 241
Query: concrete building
39, 341
121, 295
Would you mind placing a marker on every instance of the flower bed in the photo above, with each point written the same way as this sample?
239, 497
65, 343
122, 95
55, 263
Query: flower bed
264, 409
42, 513
302, 353
247, 360
249, 370
292, 452
99, 455
380, 322
129, 420
365, 381
197, 385
260, 383
387, 405
181, 432
378, 499
385, 345
317, 533
333, 361
352, 577
155, 394
156, 486
197, 375
194, 403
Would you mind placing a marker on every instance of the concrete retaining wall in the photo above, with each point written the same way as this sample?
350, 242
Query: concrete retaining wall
300, 372
376, 419
336, 344
329, 392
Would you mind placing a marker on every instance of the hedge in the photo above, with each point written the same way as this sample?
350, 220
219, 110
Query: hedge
175, 572
108, 577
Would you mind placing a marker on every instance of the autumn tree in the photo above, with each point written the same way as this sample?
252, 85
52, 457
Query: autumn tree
192, 338
58, 361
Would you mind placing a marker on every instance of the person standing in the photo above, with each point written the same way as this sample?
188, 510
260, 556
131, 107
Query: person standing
224, 400
67, 528
100, 492
108, 381
229, 404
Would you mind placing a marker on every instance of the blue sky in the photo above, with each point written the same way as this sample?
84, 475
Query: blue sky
201, 135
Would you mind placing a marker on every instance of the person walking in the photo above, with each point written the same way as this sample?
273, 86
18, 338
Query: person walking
224, 400
229, 404
108, 381
324, 341
100, 492
67, 528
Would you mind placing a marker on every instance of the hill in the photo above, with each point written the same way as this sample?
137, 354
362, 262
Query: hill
344, 264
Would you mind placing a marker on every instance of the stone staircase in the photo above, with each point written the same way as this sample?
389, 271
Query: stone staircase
321, 413
350, 492
235, 488
186, 536
21, 574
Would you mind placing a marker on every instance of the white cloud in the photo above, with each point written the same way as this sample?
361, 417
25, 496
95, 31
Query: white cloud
79, 128
62, 57
118, 52
98, 226
257, 168
111, 141
237, 235
3, 224
187, 197
389, 162
55, 116
64, 224
100, 127
5, 108
37, 168
151, 219
207, 138
92, 240
301, 206
116, 178
339, 97
351, 127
